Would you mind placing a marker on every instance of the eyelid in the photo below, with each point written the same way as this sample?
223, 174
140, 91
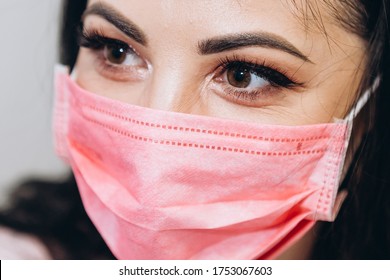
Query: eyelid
97, 40
270, 93
90, 30
258, 67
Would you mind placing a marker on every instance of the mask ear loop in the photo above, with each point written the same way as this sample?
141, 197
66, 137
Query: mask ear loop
60, 112
342, 195
362, 100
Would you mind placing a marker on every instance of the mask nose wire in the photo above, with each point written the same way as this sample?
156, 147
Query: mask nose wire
362, 100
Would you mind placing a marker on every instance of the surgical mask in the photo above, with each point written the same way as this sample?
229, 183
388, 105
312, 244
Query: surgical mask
167, 185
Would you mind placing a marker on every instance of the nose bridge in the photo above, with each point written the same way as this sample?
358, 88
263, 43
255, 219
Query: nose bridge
172, 86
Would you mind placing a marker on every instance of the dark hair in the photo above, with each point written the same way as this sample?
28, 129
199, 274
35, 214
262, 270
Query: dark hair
53, 212
361, 230
72, 13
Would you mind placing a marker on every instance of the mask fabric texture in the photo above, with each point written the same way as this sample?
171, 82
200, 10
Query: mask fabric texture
166, 185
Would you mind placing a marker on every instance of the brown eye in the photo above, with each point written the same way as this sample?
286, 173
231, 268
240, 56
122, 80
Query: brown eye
120, 55
115, 54
239, 77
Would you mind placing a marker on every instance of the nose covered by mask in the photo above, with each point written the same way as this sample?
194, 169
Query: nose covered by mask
167, 185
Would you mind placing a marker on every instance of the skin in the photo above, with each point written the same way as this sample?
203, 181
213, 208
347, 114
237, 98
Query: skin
170, 73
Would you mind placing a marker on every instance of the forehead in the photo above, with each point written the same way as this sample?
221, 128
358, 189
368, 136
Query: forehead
281, 16
307, 24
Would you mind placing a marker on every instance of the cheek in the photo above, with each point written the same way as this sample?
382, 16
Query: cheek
89, 78
332, 95
335, 83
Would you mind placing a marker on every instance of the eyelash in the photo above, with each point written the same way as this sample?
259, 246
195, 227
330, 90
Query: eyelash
277, 78
96, 40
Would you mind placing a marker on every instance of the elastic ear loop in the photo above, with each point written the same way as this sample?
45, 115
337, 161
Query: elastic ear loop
60, 112
363, 100
342, 195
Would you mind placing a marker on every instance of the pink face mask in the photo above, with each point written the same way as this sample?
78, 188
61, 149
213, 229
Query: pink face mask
166, 185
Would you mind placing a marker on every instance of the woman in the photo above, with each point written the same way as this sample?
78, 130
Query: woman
253, 166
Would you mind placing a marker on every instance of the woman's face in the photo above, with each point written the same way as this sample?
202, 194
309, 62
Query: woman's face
251, 60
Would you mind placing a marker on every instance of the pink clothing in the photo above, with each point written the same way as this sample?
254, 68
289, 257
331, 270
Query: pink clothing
20, 246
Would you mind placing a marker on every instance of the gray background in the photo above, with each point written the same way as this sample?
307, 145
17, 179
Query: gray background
28, 52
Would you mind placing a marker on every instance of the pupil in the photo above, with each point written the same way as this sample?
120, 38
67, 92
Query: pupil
116, 55
239, 77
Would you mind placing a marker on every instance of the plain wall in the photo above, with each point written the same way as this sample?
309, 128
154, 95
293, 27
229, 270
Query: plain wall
28, 52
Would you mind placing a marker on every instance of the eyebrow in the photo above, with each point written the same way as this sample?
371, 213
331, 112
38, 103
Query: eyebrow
119, 21
236, 41
205, 47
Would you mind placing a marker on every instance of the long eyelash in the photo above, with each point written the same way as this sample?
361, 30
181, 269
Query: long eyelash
276, 77
96, 40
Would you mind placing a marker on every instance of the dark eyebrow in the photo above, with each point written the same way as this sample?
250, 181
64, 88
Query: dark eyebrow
205, 47
119, 21
236, 41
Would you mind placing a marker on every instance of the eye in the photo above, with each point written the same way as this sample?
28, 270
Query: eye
117, 54
241, 76
251, 83
114, 52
